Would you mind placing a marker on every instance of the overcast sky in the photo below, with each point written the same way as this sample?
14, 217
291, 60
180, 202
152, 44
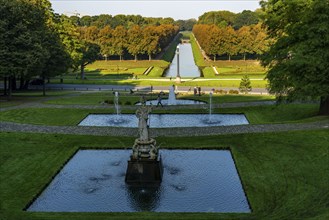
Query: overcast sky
177, 9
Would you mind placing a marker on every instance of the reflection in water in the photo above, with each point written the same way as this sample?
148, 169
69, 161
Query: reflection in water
144, 198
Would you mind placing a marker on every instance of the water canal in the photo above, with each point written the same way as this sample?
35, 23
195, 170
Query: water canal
187, 67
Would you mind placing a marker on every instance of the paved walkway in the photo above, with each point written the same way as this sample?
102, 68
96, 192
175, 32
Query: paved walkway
155, 132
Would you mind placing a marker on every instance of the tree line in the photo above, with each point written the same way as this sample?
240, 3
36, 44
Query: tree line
226, 41
235, 20
128, 21
135, 41
36, 42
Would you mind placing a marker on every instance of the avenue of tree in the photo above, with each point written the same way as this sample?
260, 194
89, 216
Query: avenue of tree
291, 38
35, 42
218, 41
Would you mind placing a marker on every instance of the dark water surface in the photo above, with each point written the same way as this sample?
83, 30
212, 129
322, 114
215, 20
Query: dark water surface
165, 120
193, 181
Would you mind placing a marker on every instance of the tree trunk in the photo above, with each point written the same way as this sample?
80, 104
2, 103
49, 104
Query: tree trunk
229, 57
26, 84
136, 58
5, 85
10, 83
150, 58
244, 56
44, 86
324, 106
215, 57
13, 83
82, 71
21, 82
120, 57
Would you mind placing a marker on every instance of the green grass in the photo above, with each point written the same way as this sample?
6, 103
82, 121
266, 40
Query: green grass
219, 84
218, 98
99, 97
256, 115
96, 99
22, 97
198, 58
285, 175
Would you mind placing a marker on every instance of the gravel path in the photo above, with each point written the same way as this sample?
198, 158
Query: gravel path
155, 132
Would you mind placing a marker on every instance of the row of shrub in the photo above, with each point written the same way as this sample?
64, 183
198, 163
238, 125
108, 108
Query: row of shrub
231, 91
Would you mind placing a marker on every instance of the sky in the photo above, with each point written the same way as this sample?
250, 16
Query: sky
177, 9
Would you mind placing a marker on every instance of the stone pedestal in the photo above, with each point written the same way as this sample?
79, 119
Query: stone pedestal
144, 172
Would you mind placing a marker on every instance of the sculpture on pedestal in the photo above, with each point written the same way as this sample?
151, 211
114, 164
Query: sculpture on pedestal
144, 166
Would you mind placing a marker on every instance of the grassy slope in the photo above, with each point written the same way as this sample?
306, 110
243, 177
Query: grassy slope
285, 174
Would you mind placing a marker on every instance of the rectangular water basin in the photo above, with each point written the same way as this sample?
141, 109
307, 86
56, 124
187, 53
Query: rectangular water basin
165, 120
193, 181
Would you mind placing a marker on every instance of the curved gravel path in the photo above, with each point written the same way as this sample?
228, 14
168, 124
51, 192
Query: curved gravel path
155, 132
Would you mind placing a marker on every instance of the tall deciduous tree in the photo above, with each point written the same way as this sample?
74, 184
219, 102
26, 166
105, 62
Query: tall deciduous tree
135, 38
150, 41
245, 41
120, 40
90, 53
30, 41
298, 60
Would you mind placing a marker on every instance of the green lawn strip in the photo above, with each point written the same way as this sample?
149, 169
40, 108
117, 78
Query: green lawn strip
24, 97
114, 64
218, 98
224, 83
126, 99
97, 98
292, 113
237, 66
285, 175
198, 58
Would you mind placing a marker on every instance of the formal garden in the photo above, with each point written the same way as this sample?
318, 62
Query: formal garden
112, 67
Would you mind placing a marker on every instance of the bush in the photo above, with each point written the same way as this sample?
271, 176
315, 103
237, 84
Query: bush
127, 103
109, 101
220, 91
233, 91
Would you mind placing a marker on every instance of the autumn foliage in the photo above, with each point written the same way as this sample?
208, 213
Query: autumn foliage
225, 41
135, 41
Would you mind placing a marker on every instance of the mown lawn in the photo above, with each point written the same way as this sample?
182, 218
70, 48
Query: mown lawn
285, 175
127, 99
286, 113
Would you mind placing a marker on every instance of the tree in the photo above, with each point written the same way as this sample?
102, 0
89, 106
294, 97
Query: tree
150, 42
135, 38
245, 41
120, 40
30, 41
90, 53
245, 18
245, 85
230, 42
298, 59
